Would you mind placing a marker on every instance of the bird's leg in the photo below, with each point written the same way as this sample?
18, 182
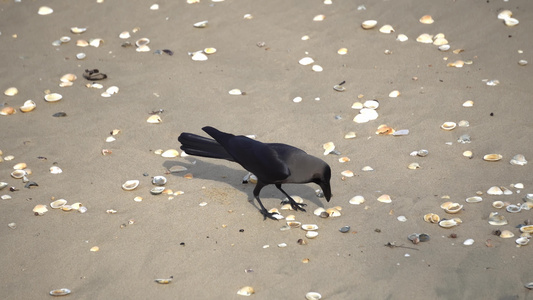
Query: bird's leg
295, 205
263, 210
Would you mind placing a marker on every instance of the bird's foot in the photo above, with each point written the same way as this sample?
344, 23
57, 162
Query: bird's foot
295, 205
269, 215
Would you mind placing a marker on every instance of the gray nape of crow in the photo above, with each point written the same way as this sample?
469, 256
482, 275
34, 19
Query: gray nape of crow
271, 163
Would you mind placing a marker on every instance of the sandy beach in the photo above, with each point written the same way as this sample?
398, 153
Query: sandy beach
204, 232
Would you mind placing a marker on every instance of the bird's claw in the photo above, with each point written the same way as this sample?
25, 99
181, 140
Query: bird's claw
295, 205
269, 215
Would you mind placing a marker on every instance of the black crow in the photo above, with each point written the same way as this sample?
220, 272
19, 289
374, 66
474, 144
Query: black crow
271, 163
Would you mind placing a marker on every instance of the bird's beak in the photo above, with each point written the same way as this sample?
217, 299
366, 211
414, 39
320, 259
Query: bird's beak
326, 189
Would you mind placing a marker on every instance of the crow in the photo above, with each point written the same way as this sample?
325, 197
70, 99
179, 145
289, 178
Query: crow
271, 163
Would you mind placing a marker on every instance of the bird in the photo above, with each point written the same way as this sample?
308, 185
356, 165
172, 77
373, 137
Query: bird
271, 163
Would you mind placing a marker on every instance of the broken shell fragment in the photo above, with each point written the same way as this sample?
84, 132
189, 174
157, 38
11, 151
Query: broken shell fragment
492, 157
468, 242
130, 185
496, 219
369, 24
328, 147
518, 160
246, 291
210, 50
402, 37
53, 97
448, 125
60, 292
468, 154
40, 209
513, 208
154, 119
413, 166
468, 103
394, 94
342, 51
81, 56
385, 198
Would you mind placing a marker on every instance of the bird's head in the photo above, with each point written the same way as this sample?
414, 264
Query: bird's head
322, 179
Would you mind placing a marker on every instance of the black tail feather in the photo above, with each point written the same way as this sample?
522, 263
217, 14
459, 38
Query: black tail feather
197, 145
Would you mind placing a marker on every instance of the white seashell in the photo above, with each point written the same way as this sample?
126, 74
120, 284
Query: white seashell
522, 62
513, 208
495, 190
427, 19
18, 174
527, 229
361, 118
81, 55
440, 41
55, 170
319, 211
112, 90
518, 160
124, 35
58, 203
448, 223
235, 92
317, 68
371, 114
369, 24
371, 104
328, 147
448, 125
306, 61
511, 22
199, 56
468, 242
413, 166
506, 234
394, 94
367, 168
53, 97
357, 200
45, 10
311, 234
157, 190
130, 185
210, 50
60, 292
347, 173
445, 47
497, 219
40, 209
505, 14
402, 218
201, 24
342, 51
159, 180
474, 199
522, 241
319, 18
313, 296
402, 37
309, 227
297, 99
96, 42
492, 157
154, 7
171, 153
498, 204
6, 197
246, 291
453, 208
384, 198
12, 91
425, 38
386, 29
154, 119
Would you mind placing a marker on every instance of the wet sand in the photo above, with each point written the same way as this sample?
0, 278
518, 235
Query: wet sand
213, 250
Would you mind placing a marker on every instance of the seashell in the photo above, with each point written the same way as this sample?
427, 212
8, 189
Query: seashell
82, 43
45, 10
527, 229
495, 190
171, 153
402, 38
81, 56
53, 97
367, 169
306, 61
347, 173
96, 42
384, 198
427, 19
511, 22
522, 62
76, 206
518, 185
506, 234
201, 24
138, 199
6, 197
291, 218
386, 29
154, 119
432, 218
130, 185
339, 88
498, 204
60, 292
342, 51
328, 147
58, 203
440, 42
369, 24
529, 285
448, 125
497, 219
468, 154
164, 280
124, 35
458, 64
413, 166
246, 291
68, 78
319, 18
522, 241
319, 211
235, 92
492, 157
210, 50
309, 227
357, 105
247, 17
142, 42
40, 209
317, 68
12, 91
344, 159
402, 218
468, 242
157, 190
313, 296
445, 205
112, 90
448, 223
513, 208
294, 224
371, 104
311, 234
159, 180
144, 48
425, 38
445, 47
468, 103
350, 135
3, 185
18, 174
453, 208
55, 170
474, 199
519, 160
28, 106
94, 249
8, 110
370, 114
154, 7
333, 212
505, 14
78, 30
394, 94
